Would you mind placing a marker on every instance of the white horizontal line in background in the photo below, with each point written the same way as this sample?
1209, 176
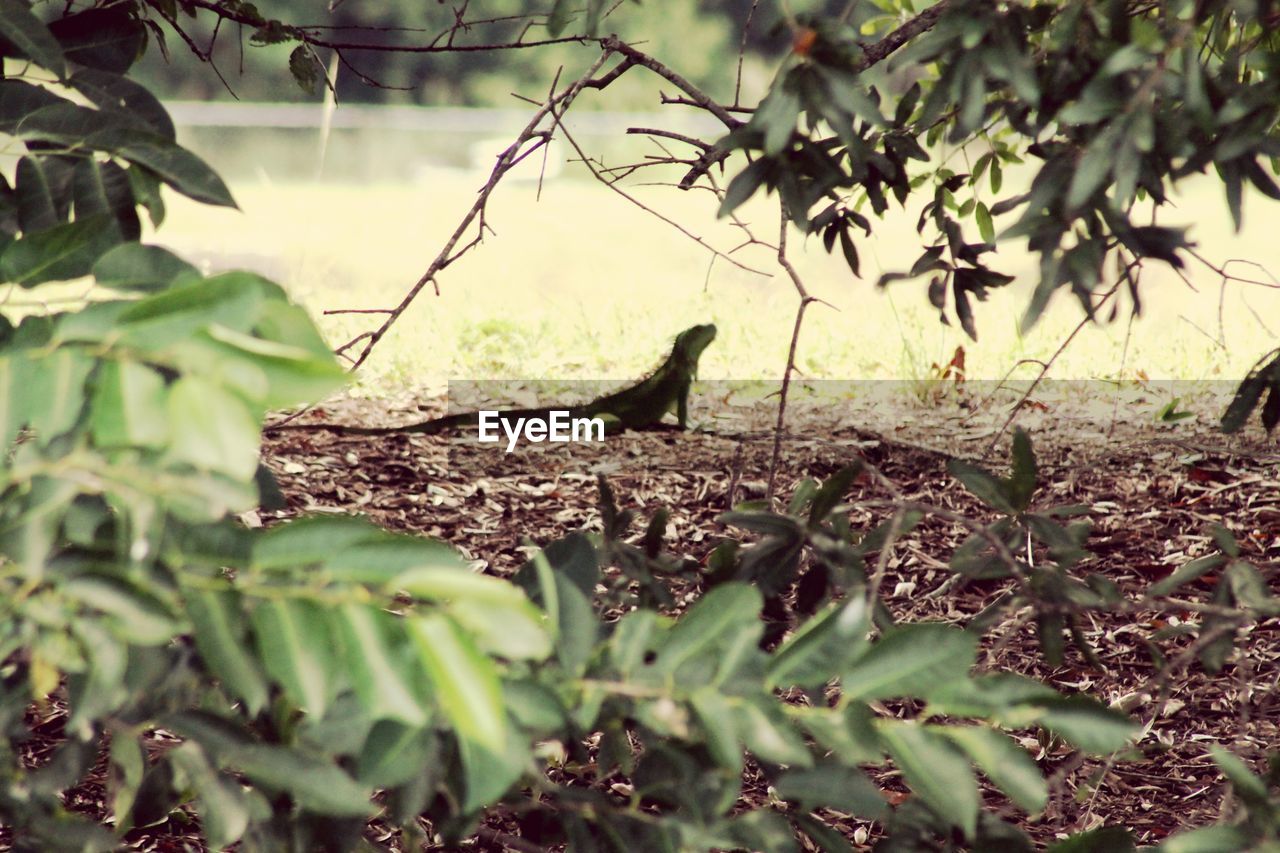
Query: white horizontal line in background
435, 119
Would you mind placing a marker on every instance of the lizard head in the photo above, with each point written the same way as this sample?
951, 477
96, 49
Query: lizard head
692, 341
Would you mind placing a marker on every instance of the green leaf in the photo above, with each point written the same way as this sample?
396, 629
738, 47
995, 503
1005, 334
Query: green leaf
991, 695
179, 168
224, 808
134, 266
127, 767
768, 523
1005, 763
535, 708
1188, 571
1245, 400
136, 615
715, 715
114, 93
220, 637
632, 637
313, 541
572, 619
377, 664
296, 649
767, 732
377, 562
103, 189
35, 115
974, 100
128, 407
562, 12
302, 65
496, 612
743, 186
32, 38
936, 770
849, 251
1126, 59
832, 491
776, 116
316, 783
1022, 479
1248, 787
42, 186
1234, 188
157, 322
1224, 540
1049, 628
911, 660
59, 253
758, 829
46, 392
822, 647
1208, 839
1249, 587
985, 487
108, 39
711, 623
100, 690
466, 687
450, 583
146, 191
513, 633
1106, 839
271, 374
834, 786
845, 733
1096, 102
1087, 724
986, 228
212, 429
393, 754
1092, 170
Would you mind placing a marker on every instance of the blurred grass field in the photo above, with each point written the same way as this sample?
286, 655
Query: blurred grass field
583, 284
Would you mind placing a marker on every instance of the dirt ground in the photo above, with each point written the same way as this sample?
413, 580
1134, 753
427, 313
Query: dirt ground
1152, 487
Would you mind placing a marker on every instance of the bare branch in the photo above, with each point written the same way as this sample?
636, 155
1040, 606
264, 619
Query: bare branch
475, 214
805, 300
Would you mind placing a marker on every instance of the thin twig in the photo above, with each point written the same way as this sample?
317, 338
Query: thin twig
475, 214
742, 50
612, 184
1048, 365
805, 299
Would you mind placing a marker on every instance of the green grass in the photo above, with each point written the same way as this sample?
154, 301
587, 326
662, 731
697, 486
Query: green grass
583, 284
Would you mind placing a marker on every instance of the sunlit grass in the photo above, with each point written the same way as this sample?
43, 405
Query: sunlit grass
583, 284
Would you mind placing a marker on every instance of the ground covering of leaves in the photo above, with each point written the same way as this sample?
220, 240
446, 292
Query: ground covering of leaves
1152, 486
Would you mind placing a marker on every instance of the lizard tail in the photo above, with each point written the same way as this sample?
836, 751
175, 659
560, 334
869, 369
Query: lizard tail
428, 427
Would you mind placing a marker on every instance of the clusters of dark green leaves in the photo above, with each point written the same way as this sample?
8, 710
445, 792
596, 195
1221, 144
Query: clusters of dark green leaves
90, 162
1257, 823
1036, 548
1264, 378
677, 706
585, 16
1116, 100
1239, 595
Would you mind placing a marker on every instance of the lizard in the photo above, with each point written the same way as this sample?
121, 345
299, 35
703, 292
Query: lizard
640, 405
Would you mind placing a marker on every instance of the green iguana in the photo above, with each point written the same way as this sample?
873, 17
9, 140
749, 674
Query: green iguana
641, 405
